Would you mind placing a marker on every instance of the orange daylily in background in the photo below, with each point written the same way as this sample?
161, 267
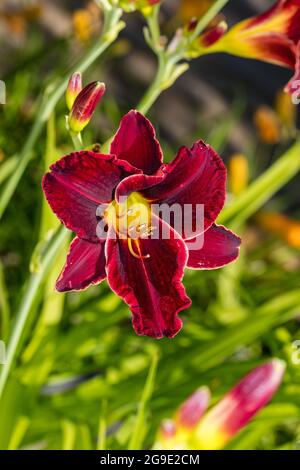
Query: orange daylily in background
267, 124
278, 123
17, 17
286, 111
238, 175
86, 22
287, 229
190, 9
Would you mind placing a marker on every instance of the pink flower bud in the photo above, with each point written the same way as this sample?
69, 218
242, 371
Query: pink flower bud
237, 408
85, 105
74, 88
192, 410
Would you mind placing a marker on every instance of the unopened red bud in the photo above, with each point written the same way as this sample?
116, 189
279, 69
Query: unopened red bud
212, 35
74, 88
192, 24
85, 105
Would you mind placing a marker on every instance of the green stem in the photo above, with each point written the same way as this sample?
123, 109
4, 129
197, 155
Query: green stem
77, 141
4, 306
207, 18
153, 25
7, 168
101, 440
154, 90
169, 67
111, 30
30, 295
263, 188
53, 302
168, 72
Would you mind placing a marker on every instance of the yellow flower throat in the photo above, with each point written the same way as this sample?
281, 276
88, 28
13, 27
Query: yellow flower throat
131, 220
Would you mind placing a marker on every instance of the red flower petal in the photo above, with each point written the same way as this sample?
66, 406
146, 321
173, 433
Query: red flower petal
135, 142
220, 247
197, 176
150, 286
274, 48
293, 85
78, 183
135, 183
293, 30
85, 266
283, 17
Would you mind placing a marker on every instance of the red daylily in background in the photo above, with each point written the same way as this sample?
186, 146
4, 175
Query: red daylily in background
146, 273
273, 36
195, 428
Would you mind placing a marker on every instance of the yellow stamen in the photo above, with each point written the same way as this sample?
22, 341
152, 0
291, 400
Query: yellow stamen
131, 219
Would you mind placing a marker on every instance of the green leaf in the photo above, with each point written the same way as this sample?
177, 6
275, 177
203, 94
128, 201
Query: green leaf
139, 429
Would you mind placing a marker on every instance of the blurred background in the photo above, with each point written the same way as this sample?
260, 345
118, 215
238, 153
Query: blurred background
82, 368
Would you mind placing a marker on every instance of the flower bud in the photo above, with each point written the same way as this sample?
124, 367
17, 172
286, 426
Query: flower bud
176, 433
213, 34
237, 408
85, 105
206, 40
192, 410
74, 88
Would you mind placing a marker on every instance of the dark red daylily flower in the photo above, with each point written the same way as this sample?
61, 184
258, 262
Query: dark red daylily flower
146, 272
272, 36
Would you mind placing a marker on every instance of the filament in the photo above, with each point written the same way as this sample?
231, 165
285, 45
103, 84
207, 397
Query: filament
136, 255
